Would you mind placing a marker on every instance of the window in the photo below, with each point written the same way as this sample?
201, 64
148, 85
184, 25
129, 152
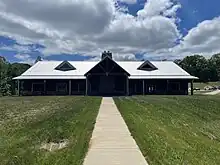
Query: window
147, 66
65, 66
152, 88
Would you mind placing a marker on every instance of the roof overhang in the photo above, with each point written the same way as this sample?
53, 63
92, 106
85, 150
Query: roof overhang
48, 77
164, 77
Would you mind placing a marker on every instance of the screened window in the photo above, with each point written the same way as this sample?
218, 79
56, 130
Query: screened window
61, 87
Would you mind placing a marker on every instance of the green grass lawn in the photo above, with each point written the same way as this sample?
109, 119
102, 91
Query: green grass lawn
174, 130
27, 122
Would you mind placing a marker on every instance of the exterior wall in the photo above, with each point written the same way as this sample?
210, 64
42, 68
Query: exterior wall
115, 85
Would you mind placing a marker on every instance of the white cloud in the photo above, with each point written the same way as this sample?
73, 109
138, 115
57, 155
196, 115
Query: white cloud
172, 11
128, 1
157, 7
90, 26
202, 39
24, 58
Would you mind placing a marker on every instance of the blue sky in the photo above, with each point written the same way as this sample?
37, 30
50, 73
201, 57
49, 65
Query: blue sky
131, 29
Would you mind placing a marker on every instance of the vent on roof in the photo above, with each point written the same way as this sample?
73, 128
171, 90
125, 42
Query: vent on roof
65, 66
147, 66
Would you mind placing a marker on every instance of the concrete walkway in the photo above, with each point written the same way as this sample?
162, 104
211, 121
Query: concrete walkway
111, 142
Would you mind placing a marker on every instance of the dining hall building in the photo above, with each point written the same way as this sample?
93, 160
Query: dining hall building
105, 77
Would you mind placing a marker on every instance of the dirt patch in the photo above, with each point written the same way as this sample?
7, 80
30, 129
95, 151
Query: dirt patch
52, 146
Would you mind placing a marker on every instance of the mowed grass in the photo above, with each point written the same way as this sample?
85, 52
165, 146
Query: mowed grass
27, 122
174, 130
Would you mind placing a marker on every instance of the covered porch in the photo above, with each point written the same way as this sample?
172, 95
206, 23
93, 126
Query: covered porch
111, 85
160, 87
51, 87
107, 78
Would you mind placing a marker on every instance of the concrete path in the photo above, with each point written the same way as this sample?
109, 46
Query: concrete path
111, 142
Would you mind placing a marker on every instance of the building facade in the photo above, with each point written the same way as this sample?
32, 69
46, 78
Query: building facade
104, 77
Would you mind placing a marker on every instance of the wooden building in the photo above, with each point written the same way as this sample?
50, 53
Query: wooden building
104, 77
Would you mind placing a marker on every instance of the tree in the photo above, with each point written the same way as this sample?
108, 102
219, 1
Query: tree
14, 70
5, 87
4, 80
7, 72
38, 59
197, 66
178, 61
215, 62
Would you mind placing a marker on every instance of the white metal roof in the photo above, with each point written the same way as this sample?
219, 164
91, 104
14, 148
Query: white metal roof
46, 70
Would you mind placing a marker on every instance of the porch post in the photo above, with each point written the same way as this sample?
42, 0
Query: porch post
70, 87
45, 87
127, 86
167, 86
78, 87
143, 87
86, 86
18, 87
191, 87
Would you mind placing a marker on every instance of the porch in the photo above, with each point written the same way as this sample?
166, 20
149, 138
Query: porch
51, 87
159, 87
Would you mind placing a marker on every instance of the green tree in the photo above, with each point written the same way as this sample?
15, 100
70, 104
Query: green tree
7, 73
4, 79
215, 62
197, 66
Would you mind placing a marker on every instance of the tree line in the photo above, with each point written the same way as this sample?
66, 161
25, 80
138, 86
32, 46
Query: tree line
7, 72
205, 69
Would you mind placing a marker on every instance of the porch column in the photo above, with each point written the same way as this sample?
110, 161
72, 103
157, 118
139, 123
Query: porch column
18, 87
78, 87
86, 86
70, 87
191, 87
167, 86
45, 87
127, 86
143, 87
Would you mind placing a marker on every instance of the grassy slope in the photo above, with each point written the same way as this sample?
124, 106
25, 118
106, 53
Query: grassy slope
174, 130
27, 122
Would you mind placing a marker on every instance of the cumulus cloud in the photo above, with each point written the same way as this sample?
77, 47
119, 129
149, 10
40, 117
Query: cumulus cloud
153, 8
24, 58
90, 26
128, 1
202, 39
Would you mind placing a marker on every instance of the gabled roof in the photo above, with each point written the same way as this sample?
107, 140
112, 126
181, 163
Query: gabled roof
65, 66
46, 70
107, 58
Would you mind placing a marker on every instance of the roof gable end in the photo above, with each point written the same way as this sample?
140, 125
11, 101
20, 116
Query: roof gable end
107, 58
65, 66
147, 66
